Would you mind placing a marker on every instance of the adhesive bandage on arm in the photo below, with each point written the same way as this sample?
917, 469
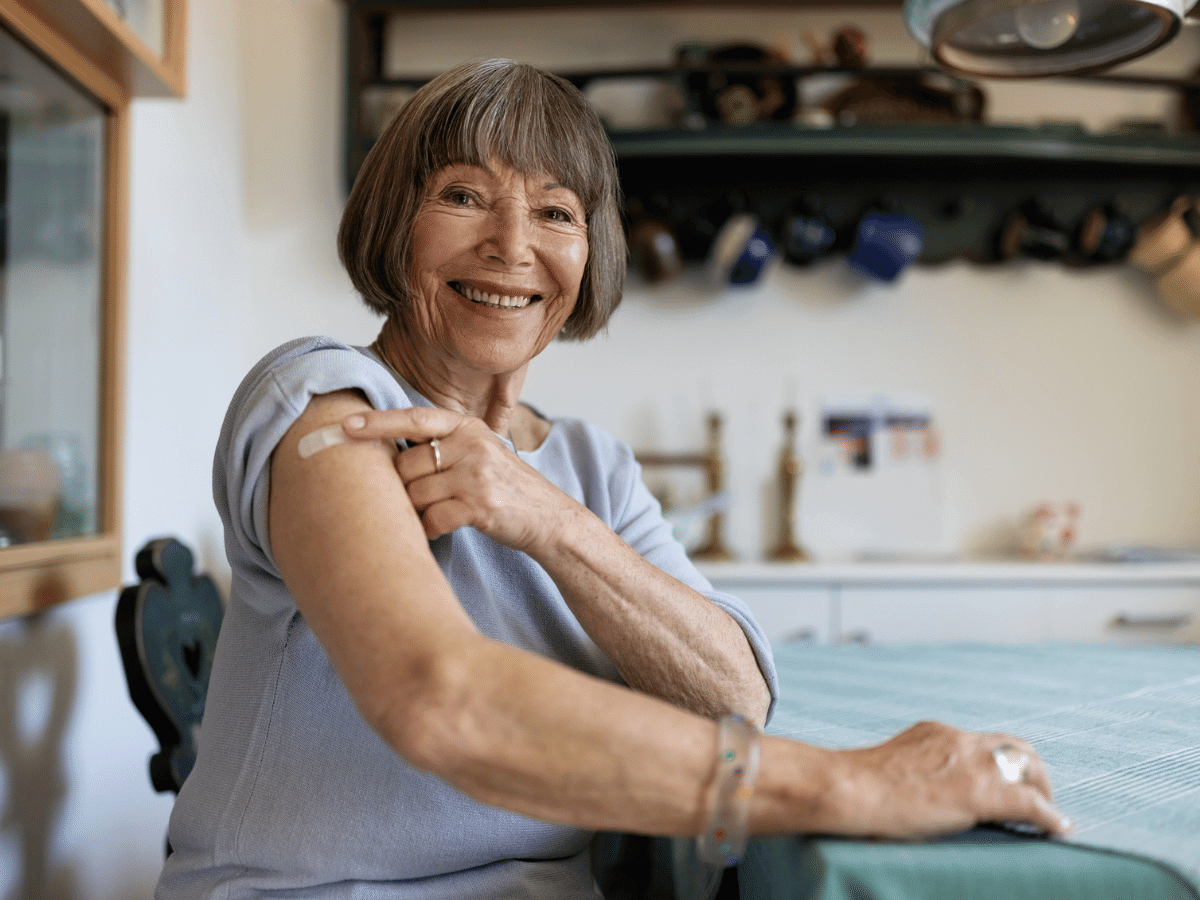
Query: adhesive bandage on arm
318, 440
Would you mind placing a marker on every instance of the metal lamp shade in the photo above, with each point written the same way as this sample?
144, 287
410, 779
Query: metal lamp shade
1030, 38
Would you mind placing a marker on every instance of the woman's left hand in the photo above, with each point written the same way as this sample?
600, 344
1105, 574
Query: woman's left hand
473, 478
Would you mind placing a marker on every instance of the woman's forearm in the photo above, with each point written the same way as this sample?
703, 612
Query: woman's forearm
517, 731
665, 638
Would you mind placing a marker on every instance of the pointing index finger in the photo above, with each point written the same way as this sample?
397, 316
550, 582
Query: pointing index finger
416, 424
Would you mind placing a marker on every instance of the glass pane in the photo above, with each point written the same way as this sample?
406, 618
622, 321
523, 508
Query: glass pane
51, 193
145, 17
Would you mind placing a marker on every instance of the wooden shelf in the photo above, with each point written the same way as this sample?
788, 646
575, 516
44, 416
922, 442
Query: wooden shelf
34, 577
1120, 152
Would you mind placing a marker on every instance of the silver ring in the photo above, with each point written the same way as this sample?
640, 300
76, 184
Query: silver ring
1012, 762
437, 455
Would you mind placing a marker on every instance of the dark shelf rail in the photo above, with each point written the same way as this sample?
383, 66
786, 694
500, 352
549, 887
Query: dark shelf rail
585, 77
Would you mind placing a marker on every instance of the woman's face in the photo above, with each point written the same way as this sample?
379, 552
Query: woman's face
498, 259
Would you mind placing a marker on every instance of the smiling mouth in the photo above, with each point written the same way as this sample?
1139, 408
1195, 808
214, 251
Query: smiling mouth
496, 301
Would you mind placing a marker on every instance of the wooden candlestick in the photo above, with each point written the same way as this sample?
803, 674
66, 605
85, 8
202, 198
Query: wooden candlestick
790, 470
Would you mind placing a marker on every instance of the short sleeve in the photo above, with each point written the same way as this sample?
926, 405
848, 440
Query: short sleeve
266, 404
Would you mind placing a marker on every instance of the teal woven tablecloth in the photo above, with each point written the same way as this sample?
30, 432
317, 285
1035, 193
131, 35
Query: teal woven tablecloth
1119, 728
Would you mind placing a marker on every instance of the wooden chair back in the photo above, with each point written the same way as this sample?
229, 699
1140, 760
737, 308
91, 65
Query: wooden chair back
167, 628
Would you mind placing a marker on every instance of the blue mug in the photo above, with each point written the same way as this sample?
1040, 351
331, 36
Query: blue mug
741, 252
806, 238
885, 243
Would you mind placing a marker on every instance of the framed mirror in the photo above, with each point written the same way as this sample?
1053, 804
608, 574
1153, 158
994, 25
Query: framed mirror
63, 128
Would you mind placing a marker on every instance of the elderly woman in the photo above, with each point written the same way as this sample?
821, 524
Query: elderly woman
460, 637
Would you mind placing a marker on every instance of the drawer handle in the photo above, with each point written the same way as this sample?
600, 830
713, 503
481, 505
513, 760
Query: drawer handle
1177, 620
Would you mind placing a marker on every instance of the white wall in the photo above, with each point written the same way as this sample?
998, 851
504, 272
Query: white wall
1046, 383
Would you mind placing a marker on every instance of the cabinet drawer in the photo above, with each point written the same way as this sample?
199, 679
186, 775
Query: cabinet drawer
786, 614
938, 613
1129, 615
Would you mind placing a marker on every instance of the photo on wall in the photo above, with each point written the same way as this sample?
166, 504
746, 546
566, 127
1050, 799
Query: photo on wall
876, 485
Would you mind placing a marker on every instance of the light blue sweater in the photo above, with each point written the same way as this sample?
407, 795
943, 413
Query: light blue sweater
293, 792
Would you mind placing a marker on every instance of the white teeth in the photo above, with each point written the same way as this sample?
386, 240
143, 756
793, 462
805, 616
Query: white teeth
496, 300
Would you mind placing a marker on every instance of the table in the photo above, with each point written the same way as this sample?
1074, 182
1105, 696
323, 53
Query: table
1119, 728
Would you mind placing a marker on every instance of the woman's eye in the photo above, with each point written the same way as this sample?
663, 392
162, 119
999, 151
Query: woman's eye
559, 215
459, 197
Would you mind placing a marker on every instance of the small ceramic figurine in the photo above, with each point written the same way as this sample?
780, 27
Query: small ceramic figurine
1050, 531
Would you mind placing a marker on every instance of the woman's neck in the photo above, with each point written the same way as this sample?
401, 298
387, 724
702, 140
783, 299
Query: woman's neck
495, 398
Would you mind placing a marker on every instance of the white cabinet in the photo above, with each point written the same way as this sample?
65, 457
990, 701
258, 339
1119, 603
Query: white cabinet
786, 601
993, 603
888, 613
1149, 614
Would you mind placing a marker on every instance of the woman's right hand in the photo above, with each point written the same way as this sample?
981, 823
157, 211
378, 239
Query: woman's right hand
473, 478
932, 779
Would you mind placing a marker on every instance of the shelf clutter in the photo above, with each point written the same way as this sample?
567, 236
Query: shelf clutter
887, 168
744, 159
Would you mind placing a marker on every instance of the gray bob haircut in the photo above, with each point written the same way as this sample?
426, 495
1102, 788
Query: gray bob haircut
530, 119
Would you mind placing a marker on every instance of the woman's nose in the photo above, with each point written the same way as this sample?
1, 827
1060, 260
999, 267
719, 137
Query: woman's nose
509, 237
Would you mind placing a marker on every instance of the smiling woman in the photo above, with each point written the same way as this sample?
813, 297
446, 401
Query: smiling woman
461, 638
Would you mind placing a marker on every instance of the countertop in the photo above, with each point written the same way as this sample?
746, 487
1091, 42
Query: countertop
996, 572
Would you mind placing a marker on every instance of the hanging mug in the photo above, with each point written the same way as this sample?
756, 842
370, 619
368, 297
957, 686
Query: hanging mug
806, 237
1033, 231
1179, 283
885, 243
654, 250
1105, 235
1163, 239
741, 252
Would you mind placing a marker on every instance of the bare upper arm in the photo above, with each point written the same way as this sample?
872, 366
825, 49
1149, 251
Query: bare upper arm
355, 558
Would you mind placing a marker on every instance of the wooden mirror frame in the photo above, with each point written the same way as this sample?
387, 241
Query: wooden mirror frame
91, 44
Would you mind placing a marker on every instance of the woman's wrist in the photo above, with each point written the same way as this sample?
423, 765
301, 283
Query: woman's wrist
796, 790
567, 533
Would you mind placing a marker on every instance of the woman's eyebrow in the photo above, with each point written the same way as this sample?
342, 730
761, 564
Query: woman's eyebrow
555, 186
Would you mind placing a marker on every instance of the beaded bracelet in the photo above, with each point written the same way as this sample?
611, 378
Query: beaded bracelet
724, 840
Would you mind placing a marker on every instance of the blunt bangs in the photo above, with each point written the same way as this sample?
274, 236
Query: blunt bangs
528, 120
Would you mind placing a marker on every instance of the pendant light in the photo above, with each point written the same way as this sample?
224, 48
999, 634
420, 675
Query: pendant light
1030, 38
